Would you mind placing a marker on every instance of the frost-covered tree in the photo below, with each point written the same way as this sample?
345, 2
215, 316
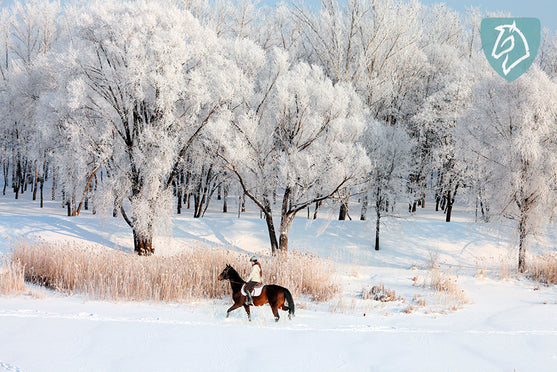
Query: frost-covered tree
389, 148
295, 134
510, 132
440, 97
138, 81
547, 56
28, 32
374, 45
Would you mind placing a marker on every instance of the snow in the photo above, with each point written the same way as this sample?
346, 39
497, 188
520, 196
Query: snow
508, 323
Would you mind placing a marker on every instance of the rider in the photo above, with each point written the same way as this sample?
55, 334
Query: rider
253, 279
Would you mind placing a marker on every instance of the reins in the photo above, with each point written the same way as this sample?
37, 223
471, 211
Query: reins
233, 281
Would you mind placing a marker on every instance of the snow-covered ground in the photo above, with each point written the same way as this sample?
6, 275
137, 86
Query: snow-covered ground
500, 322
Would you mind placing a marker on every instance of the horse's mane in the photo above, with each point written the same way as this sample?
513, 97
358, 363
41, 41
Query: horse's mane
233, 272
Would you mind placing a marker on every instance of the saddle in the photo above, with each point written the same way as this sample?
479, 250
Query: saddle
255, 292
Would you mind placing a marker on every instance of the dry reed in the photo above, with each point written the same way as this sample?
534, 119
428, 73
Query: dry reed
543, 269
102, 273
11, 277
447, 285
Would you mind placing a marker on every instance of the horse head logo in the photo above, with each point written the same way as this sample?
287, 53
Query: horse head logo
510, 44
507, 43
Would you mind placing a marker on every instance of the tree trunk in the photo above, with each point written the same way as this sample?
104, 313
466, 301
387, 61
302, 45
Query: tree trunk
35, 182
450, 202
365, 202
285, 223
225, 200
115, 208
271, 230
143, 245
17, 185
53, 192
443, 202
41, 188
179, 194
317, 205
522, 243
378, 205
449, 210
377, 225
24, 179
343, 211
6, 169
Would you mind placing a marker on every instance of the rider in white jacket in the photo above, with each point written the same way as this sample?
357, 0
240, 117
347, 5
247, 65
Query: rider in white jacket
253, 279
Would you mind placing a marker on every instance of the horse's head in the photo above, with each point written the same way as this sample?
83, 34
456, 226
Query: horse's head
225, 275
511, 43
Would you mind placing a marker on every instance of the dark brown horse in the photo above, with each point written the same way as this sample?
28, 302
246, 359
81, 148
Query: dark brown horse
278, 297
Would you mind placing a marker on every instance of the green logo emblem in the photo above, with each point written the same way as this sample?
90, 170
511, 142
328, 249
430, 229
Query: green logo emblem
510, 44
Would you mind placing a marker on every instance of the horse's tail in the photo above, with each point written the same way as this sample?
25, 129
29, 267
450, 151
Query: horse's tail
290, 301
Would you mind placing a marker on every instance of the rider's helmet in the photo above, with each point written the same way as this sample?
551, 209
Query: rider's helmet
253, 259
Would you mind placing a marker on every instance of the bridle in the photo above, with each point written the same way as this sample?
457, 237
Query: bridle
233, 281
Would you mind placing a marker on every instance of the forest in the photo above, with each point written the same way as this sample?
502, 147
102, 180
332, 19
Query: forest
146, 109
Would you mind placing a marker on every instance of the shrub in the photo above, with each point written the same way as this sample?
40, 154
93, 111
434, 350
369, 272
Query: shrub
102, 273
379, 293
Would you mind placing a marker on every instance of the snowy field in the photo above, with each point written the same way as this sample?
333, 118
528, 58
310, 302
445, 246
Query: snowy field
501, 322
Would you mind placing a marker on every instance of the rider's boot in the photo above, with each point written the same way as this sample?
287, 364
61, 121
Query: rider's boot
249, 300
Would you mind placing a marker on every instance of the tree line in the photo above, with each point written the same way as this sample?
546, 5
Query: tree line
141, 108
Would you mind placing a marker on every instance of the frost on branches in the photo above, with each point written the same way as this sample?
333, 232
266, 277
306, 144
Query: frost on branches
509, 133
296, 133
135, 107
138, 83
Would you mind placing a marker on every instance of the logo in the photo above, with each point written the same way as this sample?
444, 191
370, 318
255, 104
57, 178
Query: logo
510, 44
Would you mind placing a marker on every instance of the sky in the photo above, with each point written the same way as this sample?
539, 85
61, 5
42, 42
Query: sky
544, 10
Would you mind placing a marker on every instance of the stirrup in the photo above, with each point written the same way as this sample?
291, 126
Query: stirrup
248, 301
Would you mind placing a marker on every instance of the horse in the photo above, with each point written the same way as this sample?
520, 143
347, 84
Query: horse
276, 296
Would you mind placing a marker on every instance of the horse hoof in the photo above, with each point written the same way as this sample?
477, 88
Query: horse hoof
276, 320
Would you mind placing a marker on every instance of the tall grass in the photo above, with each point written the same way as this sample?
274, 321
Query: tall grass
447, 286
11, 277
101, 273
543, 269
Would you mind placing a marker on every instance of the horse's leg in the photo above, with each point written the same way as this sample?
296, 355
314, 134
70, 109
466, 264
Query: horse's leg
247, 311
274, 307
285, 308
233, 307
